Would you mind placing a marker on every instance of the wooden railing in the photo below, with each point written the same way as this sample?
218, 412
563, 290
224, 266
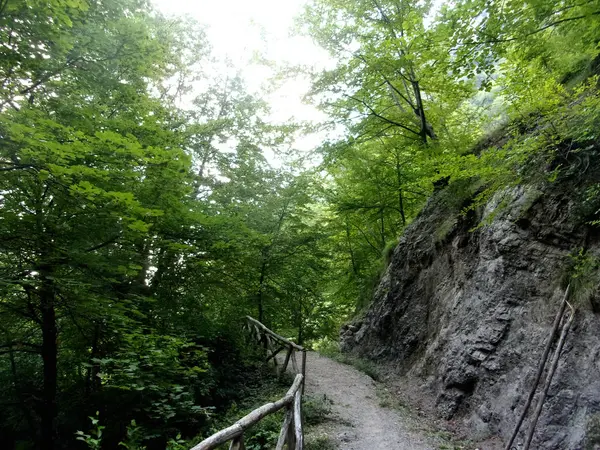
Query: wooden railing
291, 435
275, 344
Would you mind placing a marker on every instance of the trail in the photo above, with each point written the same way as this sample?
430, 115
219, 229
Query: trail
359, 423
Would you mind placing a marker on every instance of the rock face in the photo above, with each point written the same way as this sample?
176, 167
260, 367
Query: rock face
468, 313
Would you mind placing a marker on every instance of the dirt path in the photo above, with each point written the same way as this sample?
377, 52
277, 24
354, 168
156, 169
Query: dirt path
359, 423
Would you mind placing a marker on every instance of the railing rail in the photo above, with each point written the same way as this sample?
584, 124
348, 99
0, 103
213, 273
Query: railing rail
291, 435
274, 343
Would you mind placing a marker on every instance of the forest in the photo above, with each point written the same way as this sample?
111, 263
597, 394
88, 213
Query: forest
137, 230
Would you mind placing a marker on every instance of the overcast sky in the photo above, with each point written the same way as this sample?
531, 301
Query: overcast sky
240, 29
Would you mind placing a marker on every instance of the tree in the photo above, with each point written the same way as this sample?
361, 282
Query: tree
92, 174
392, 68
404, 119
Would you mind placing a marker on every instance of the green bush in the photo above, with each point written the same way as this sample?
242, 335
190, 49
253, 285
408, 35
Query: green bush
264, 434
327, 347
265, 388
592, 436
319, 442
316, 410
331, 349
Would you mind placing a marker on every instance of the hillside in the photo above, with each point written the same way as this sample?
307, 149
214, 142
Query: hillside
468, 300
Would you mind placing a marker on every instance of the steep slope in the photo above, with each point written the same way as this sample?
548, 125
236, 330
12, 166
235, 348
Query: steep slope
466, 313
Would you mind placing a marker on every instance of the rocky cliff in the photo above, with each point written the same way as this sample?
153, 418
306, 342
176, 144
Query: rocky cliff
466, 308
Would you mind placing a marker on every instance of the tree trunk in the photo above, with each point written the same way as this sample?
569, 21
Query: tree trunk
49, 356
382, 228
92, 381
260, 294
300, 324
426, 128
19, 391
350, 249
400, 196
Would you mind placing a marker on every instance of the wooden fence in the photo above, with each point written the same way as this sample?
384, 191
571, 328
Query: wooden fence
275, 344
291, 435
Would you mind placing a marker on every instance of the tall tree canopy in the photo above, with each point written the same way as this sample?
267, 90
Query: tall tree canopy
130, 228
417, 86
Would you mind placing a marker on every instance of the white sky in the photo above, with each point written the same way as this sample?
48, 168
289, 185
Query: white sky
241, 29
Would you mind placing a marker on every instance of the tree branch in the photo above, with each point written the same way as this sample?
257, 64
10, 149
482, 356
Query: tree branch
103, 244
385, 119
531, 33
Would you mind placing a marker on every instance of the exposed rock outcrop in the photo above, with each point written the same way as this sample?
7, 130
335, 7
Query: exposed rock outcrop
468, 312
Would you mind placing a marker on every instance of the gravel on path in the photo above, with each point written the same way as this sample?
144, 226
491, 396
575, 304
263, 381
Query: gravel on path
360, 423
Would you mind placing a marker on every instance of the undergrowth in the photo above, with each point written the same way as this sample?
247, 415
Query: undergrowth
331, 349
315, 411
319, 442
264, 435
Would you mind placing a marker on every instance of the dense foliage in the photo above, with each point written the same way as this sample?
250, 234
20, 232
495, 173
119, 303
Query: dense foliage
135, 233
477, 94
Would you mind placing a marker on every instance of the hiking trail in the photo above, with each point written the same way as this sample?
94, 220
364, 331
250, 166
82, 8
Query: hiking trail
358, 421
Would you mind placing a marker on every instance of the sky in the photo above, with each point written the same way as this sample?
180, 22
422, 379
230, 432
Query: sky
240, 29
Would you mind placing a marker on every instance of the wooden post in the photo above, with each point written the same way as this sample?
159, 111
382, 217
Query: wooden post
274, 354
303, 370
298, 420
286, 361
264, 329
541, 366
291, 436
284, 433
238, 443
549, 375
